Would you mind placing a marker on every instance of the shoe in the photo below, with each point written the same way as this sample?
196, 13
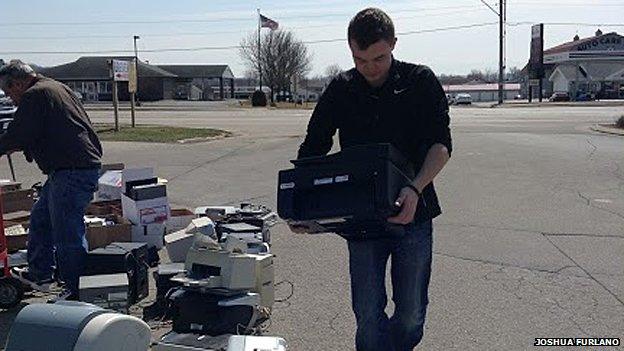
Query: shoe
23, 275
65, 295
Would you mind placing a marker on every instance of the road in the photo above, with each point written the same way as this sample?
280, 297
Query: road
531, 242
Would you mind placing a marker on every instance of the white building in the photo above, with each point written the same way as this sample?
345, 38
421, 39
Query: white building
590, 65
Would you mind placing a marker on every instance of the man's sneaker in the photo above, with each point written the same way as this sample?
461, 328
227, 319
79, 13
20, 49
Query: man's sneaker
64, 295
23, 275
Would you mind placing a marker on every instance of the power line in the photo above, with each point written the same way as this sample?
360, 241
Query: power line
441, 29
564, 24
247, 18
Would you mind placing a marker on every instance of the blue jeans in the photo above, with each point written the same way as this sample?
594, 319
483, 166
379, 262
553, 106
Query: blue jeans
410, 272
57, 224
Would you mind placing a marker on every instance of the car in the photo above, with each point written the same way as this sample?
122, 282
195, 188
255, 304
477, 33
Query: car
559, 96
518, 97
78, 95
463, 99
7, 107
585, 97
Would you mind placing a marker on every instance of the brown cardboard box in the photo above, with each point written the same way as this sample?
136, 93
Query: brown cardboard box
16, 242
96, 236
102, 236
19, 200
7, 185
104, 208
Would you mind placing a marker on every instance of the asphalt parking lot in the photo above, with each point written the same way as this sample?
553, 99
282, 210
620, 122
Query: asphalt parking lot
531, 242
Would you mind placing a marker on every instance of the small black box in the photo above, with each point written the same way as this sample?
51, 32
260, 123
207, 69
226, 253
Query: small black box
122, 257
346, 192
200, 313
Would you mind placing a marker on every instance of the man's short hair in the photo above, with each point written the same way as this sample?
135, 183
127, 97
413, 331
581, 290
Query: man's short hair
369, 26
15, 70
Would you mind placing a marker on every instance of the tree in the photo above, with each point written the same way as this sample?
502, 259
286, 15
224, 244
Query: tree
282, 58
333, 70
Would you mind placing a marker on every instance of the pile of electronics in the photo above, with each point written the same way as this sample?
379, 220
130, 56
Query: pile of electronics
221, 281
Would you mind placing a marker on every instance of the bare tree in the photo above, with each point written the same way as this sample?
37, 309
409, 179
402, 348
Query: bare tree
333, 70
281, 58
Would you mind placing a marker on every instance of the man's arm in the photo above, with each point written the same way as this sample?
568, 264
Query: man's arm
26, 126
322, 127
439, 152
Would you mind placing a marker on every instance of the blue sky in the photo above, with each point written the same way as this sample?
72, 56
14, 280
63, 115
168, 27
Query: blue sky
73, 25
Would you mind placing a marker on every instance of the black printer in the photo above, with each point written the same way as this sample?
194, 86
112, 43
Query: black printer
351, 192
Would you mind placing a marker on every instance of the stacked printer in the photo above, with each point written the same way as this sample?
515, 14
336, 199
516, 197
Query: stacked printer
351, 192
226, 282
115, 276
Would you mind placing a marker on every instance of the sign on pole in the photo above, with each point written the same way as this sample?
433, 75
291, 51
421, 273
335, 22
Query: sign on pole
121, 70
132, 77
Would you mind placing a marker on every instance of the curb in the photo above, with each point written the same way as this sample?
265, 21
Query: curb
607, 129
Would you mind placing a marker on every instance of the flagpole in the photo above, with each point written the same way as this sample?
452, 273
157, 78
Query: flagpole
259, 51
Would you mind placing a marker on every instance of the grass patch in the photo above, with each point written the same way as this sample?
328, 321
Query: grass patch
156, 134
620, 122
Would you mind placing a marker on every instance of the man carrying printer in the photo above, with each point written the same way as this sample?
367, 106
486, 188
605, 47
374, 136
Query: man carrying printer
52, 127
386, 100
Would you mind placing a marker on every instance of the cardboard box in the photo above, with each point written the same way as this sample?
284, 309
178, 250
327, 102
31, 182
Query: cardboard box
180, 218
96, 236
145, 212
19, 200
7, 185
104, 207
109, 186
16, 242
152, 234
102, 236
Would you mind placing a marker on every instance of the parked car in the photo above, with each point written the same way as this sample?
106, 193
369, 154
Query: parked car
463, 99
559, 96
585, 97
518, 97
78, 95
7, 107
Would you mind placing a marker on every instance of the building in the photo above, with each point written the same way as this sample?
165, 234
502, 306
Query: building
483, 92
90, 75
216, 82
593, 65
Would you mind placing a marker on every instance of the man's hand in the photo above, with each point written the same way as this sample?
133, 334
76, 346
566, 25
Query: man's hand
408, 201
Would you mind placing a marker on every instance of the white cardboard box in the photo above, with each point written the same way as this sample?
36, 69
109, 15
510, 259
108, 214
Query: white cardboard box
145, 212
152, 234
109, 186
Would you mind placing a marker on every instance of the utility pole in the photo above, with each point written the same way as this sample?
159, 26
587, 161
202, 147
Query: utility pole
502, 17
134, 91
259, 51
136, 59
501, 52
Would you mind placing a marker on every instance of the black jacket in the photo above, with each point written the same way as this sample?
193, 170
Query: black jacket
409, 111
52, 127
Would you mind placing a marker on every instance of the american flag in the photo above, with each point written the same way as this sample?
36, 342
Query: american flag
266, 22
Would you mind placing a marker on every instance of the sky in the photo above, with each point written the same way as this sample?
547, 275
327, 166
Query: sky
210, 29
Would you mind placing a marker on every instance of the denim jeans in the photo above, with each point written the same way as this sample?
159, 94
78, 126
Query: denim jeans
57, 226
410, 271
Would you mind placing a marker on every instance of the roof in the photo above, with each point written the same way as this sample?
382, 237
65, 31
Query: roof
480, 87
573, 45
594, 70
97, 68
199, 71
